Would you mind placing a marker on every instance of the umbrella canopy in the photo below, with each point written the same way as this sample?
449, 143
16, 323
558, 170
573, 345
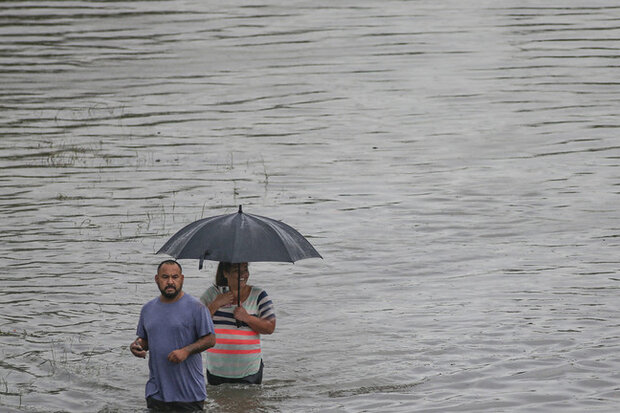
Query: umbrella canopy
237, 238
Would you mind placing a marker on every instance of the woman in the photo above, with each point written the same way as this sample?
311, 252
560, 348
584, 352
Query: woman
237, 357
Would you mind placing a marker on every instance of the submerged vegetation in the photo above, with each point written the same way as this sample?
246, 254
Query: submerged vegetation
66, 155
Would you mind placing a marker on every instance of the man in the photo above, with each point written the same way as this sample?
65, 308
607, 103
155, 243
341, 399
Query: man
175, 327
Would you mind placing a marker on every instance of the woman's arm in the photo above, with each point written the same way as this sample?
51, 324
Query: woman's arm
260, 325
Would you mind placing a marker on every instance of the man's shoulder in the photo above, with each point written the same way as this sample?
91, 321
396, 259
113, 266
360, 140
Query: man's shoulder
192, 302
151, 302
190, 298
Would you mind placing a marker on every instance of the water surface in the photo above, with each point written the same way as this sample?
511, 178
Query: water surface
457, 166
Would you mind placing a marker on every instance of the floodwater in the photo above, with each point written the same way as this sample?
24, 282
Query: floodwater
456, 163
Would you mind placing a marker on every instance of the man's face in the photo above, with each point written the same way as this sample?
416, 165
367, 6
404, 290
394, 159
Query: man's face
169, 280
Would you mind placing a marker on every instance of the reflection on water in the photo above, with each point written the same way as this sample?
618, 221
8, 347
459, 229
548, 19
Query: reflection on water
239, 398
456, 165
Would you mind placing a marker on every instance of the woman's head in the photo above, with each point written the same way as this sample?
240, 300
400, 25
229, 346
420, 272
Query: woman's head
228, 271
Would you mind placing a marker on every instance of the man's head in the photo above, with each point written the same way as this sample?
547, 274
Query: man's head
169, 279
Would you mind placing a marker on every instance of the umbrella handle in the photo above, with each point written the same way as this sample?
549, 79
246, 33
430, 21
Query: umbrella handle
238, 288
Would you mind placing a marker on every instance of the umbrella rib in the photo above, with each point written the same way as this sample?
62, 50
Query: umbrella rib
195, 232
272, 229
235, 239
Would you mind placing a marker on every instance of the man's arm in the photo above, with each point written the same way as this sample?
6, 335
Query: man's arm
139, 347
200, 345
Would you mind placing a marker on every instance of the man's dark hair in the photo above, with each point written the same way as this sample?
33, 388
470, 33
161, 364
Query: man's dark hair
165, 262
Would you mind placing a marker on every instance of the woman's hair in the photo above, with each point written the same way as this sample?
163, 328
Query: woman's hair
222, 267
220, 280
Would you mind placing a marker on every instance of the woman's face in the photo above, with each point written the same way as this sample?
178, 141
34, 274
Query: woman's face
232, 275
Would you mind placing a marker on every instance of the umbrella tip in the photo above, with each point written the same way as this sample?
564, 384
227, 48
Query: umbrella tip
240, 211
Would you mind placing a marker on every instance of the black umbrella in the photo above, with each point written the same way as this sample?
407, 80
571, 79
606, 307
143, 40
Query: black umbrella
238, 238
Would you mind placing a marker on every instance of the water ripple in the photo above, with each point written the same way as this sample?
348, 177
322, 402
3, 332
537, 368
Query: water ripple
455, 163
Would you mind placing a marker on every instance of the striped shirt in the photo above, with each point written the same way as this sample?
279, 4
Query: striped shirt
237, 351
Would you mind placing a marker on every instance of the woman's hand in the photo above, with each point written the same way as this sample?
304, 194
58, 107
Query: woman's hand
259, 325
241, 314
224, 299
221, 300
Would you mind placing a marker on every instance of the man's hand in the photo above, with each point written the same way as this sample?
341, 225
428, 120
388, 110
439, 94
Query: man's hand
139, 348
203, 343
178, 356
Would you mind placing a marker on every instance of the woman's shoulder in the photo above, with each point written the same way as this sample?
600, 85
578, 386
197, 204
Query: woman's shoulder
211, 292
259, 293
211, 289
257, 290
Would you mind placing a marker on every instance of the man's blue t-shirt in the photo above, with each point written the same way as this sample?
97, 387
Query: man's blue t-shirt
168, 327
